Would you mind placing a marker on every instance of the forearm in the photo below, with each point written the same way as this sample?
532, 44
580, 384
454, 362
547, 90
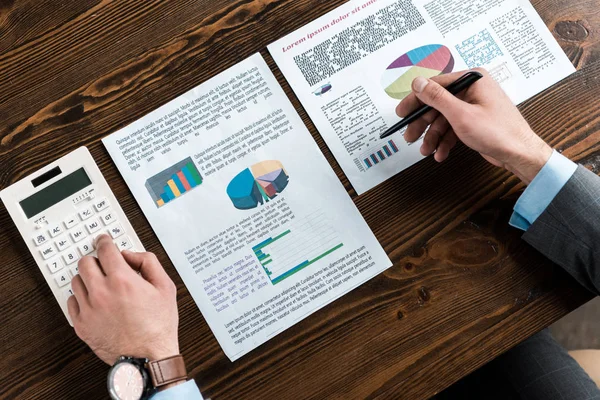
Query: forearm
568, 230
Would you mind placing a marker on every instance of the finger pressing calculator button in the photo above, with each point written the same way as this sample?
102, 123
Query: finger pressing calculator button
62, 279
101, 204
71, 221
116, 230
108, 218
47, 251
94, 237
39, 239
55, 265
85, 247
86, 213
93, 226
55, 230
70, 257
77, 235
74, 270
62, 243
123, 243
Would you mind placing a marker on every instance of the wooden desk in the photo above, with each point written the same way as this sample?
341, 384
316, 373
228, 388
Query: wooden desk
463, 289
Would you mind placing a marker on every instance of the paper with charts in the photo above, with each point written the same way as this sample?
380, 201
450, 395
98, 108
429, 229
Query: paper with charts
253, 217
351, 67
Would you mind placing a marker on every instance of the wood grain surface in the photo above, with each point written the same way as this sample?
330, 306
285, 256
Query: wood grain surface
463, 289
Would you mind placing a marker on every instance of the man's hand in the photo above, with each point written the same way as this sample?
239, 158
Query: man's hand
117, 311
483, 118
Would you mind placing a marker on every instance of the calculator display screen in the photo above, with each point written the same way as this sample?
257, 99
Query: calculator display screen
55, 193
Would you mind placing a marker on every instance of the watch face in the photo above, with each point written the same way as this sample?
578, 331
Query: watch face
127, 382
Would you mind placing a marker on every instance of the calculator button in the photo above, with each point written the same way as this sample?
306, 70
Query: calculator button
70, 257
74, 270
86, 213
85, 247
123, 243
116, 230
55, 265
55, 230
108, 218
68, 292
93, 225
39, 239
62, 243
71, 221
47, 251
77, 235
101, 204
62, 279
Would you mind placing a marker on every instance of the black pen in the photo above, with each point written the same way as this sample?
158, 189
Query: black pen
455, 88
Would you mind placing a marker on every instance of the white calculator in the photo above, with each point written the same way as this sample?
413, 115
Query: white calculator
59, 210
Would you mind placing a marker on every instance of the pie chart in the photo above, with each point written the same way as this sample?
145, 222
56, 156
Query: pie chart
258, 184
427, 61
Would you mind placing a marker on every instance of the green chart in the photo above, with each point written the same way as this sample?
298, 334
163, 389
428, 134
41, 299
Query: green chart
297, 248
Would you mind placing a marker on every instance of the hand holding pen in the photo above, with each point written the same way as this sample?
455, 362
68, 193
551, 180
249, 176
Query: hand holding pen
483, 118
459, 85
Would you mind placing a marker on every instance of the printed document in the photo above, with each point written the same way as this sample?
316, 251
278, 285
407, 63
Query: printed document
253, 217
351, 67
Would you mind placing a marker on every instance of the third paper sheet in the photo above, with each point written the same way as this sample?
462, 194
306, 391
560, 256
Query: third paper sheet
351, 67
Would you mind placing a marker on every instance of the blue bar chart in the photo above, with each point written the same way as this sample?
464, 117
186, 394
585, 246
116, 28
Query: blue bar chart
384, 151
173, 182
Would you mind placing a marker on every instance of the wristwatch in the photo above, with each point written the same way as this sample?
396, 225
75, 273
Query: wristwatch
139, 378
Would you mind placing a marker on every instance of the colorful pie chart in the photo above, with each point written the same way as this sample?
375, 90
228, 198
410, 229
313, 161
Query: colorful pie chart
428, 61
258, 184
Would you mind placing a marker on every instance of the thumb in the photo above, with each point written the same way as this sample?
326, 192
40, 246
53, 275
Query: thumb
436, 96
148, 265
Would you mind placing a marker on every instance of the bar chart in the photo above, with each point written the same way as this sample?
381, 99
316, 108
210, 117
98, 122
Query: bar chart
173, 182
296, 248
382, 152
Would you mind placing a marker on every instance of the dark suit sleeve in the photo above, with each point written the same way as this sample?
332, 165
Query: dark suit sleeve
568, 231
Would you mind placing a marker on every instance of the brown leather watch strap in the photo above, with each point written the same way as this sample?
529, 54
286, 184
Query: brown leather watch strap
168, 370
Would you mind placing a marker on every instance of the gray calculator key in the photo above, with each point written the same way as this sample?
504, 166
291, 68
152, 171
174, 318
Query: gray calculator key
101, 204
93, 225
123, 243
116, 230
48, 251
86, 213
108, 217
70, 257
62, 279
55, 230
55, 265
86, 247
68, 292
71, 221
62, 243
77, 235
39, 238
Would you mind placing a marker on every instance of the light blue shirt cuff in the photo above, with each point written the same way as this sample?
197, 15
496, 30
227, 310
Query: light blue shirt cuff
542, 190
188, 391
